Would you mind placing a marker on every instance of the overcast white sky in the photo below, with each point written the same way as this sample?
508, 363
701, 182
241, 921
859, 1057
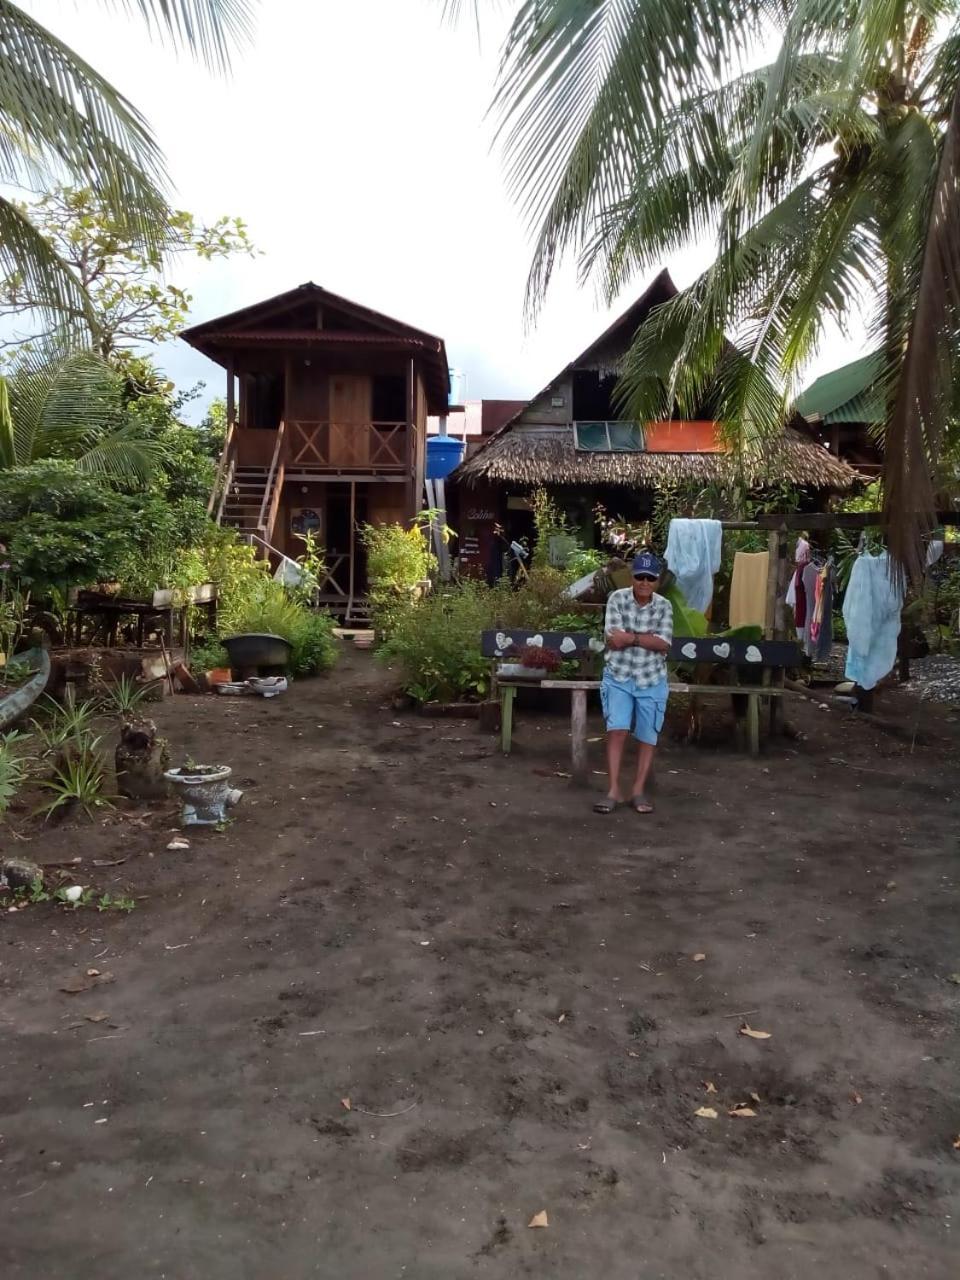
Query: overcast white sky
352, 138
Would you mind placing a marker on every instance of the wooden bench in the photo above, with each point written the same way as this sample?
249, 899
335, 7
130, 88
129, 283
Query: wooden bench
770, 657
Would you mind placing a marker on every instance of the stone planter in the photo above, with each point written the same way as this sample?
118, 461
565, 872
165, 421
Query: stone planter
206, 793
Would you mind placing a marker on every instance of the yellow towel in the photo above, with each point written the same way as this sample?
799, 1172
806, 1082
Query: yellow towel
748, 589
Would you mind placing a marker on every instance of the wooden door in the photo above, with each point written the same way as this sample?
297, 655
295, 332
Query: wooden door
350, 408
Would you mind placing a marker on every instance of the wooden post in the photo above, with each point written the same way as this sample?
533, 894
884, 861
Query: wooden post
231, 392
507, 694
413, 498
753, 723
772, 575
578, 735
352, 543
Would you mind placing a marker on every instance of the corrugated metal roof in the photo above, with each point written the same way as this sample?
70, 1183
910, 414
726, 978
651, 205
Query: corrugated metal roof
848, 394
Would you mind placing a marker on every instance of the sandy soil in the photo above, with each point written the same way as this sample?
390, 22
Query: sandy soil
400, 917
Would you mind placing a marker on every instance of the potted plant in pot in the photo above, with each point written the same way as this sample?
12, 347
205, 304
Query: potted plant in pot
533, 662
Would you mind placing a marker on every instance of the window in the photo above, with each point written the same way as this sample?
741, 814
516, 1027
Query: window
609, 437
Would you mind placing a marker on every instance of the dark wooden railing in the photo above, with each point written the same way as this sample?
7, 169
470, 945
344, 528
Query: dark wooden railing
347, 446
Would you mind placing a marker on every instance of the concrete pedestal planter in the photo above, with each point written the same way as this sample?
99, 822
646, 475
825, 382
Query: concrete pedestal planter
206, 793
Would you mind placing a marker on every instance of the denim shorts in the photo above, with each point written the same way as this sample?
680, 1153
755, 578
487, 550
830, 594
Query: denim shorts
629, 708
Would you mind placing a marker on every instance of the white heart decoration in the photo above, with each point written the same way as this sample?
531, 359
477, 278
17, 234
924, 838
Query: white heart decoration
567, 645
536, 642
722, 650
502, 641
753, 654
498, 653
689, 650
595, 645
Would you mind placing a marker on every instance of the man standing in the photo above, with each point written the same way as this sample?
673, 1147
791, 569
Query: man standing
638, 630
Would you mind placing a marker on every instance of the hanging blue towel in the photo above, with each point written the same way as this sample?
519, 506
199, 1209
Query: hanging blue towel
693, 555
871, 611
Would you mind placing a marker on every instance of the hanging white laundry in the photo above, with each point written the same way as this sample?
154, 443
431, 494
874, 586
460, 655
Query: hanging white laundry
693, 555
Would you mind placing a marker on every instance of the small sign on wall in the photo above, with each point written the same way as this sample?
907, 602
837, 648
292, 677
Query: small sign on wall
305, 520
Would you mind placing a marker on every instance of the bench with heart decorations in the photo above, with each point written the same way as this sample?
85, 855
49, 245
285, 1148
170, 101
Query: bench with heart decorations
699, 649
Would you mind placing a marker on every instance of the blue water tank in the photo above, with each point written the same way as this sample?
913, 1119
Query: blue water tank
444, 454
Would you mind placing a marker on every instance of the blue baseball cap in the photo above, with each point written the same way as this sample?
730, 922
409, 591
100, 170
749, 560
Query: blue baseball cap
646, 563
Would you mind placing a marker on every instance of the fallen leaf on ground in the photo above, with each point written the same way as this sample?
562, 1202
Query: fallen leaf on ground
955, 978
756, 1098
539, 1219
746, 1030
558, 773
97, 1017
345, 1103
179, 844
699, 956
562, 1017
709, 1086
956, 1145
706, 1113
741, 1111
856, 1099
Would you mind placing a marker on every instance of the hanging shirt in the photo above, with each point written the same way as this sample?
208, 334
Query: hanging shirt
871, 611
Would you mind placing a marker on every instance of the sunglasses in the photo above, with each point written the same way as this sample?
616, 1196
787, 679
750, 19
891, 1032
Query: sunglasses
644, 577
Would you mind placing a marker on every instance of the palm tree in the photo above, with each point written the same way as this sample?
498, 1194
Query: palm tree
59, 116
73, 409
634, 128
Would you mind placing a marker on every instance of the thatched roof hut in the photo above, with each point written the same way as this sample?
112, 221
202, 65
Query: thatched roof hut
572, 434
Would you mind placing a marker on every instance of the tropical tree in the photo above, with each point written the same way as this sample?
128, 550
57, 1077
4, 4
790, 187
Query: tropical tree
75, 410
58, 116
127, 302
633, 129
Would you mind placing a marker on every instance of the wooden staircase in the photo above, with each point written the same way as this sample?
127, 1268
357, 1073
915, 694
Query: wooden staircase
244, 499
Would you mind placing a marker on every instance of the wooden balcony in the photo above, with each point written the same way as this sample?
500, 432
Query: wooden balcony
331, 448
373, 448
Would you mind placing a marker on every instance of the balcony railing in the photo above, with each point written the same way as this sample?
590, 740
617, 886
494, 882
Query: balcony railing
376, 447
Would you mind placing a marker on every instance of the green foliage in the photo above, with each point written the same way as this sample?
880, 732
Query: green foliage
208, 657
13, 768
435, 640
128, 301
269, 608
397, 558
436, 644
65, 724
78, 779
123, 696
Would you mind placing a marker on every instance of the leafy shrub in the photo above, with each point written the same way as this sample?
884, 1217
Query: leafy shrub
209, 656
13, 768
436, 644
269, 608
397, 558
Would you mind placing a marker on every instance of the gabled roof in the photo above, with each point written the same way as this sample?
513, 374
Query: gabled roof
848, 394
529, 453
661, 290
263, 322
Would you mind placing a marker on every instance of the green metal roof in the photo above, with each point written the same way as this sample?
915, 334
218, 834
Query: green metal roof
849, 394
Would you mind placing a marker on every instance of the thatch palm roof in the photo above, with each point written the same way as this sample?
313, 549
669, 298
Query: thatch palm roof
535, 455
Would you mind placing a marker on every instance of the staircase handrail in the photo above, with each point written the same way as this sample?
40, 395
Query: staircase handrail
226, 456
267, 505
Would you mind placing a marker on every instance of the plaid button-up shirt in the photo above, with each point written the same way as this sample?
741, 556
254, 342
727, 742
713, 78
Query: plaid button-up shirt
644, 667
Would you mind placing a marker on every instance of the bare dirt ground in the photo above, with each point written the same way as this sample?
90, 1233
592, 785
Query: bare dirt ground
400, 917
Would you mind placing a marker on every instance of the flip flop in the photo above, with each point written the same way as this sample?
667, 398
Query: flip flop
640, 804
606, 805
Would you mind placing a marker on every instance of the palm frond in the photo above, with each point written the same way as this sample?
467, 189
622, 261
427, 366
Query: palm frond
584, 87
206, 28
123, 455
24, 252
